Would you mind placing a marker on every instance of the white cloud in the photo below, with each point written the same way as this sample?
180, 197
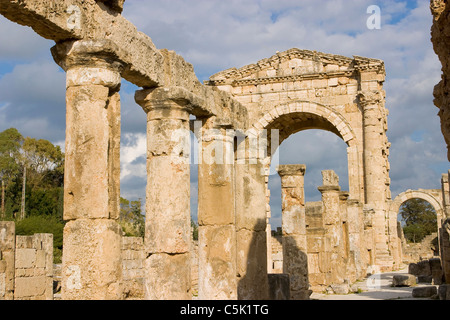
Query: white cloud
21, 42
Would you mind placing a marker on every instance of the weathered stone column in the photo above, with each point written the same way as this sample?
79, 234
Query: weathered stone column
355, 230
7, 259
331, 219
444, 230
167, 226
374, 170
216, 217
92, 267
295, 260
251, 241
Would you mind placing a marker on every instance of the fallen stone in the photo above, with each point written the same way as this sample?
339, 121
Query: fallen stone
424, 292
404, 280
424, 279
421, 268
340, 288
444, 292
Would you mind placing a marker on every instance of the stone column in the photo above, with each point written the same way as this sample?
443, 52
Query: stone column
167, 226
216, 217
293, 224
7, 259
444, 230
251, 241
92, 266
355, 229
445, 195
374, 132
331, 219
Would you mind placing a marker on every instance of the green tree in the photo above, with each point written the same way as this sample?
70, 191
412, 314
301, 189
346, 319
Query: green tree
194, 227
10, 144
419, 219
131, 218
40, 159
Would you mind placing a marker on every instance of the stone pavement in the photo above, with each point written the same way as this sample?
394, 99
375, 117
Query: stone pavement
375, 287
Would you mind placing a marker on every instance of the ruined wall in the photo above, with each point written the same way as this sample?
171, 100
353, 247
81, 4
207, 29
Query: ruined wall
426, 249
133, 257
335, 239
440, 31
34, 267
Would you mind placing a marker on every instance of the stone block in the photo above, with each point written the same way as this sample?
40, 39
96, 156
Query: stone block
404, 280
421, 268
25, 258
92, 256
167, 273
444, 292
31, 288
279, 287
424, 292
425, 279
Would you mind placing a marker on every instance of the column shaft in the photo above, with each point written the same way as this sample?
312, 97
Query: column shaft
295, 260
167, 227
251, 241
375, 172
92, 267
216, 217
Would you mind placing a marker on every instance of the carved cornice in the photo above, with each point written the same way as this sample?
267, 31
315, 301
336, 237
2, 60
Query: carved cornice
240, 77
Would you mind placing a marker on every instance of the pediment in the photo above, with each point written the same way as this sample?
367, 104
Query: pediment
297, 63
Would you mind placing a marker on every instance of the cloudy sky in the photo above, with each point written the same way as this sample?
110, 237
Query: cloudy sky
215, 35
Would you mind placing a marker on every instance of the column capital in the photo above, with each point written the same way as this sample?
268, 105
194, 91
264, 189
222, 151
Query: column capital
370, 98
90, 62
153, 98
291, 170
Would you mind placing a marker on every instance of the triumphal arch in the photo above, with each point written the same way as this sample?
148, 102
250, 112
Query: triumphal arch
241, 116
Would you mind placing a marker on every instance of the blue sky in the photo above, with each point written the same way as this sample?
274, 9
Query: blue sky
215, 35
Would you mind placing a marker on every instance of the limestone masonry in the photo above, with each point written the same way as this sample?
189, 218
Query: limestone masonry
241, 115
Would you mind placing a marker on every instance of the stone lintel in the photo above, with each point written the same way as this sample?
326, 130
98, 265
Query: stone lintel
291, 170
323, 189
115, 5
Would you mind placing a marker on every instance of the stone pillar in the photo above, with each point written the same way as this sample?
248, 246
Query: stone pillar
355, 230
216, 217
7, 259
295, 261
331, 220
375, 171
445, 195
444, 230
92, 266
251, 241
167, 223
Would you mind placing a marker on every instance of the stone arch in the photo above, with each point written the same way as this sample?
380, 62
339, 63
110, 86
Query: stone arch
433, 197
301, 115
336, 122
414, 194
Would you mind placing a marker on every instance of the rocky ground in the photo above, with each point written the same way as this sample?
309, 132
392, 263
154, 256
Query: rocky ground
377, 287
